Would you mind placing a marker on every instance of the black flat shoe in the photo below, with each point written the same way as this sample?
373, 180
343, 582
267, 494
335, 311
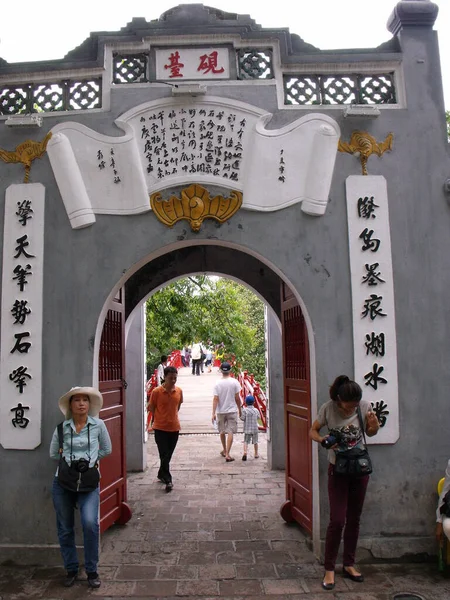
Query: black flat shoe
357, 578
93, 580
328, 586
169, 487
70, 579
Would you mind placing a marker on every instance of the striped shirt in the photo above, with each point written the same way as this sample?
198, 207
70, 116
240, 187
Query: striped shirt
250, 416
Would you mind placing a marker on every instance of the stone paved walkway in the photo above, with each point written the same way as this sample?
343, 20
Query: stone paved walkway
217, 535
195, 413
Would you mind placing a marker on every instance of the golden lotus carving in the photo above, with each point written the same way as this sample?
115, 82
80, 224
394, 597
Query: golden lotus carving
195, 205
362, 145
25, 153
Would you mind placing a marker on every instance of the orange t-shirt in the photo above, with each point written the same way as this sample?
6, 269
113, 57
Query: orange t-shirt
166, 406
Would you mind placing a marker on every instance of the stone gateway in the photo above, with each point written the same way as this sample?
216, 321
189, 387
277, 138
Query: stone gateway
201, 142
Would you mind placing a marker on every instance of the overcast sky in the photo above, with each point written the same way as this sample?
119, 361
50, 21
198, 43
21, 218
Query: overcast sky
31, 30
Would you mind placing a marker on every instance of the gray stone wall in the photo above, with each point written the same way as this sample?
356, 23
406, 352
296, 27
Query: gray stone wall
136, 399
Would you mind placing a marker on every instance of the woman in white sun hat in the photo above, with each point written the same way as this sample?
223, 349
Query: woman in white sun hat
79, 443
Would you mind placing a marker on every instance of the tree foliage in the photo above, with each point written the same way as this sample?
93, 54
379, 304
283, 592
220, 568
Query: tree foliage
211, 310
447, 118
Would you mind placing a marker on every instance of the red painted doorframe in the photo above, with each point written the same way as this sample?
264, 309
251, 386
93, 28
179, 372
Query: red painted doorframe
113, 483
297, 410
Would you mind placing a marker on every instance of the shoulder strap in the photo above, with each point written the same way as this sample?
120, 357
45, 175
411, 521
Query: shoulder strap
60, 438
361, 424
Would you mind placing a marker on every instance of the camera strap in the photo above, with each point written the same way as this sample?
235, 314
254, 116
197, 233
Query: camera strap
61, 441
361, 424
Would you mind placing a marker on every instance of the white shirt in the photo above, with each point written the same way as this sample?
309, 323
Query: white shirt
196, 352
226, 389
160, 373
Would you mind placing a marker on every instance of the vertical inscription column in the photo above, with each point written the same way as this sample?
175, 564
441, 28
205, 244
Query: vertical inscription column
374, 332
21, 323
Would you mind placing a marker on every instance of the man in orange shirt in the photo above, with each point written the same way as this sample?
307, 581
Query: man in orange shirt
165, 402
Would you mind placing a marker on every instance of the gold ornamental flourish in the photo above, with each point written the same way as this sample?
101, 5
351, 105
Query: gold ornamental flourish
25, 153
362, 145
195, 205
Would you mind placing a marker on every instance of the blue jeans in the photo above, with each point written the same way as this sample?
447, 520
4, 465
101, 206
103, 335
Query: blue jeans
65, 503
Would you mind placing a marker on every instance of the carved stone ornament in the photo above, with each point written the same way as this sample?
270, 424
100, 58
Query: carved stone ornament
195, 205
25, 153
362, 145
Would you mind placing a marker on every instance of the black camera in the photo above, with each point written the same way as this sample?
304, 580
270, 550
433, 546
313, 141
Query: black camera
81, 465
333, 438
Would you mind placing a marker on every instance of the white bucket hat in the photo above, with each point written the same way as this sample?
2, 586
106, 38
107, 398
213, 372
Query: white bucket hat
95, 401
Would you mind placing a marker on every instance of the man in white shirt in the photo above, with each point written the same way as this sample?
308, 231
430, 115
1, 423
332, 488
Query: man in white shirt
196, 358
226, 407
160, 370
183, 356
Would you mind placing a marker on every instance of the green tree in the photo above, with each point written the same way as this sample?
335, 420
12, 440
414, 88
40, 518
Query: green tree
253, 357
212, 310
447, 118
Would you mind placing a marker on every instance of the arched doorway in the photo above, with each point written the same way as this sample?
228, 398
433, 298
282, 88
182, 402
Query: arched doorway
143, 279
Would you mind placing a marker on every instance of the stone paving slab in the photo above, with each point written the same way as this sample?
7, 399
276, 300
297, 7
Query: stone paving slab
214, 537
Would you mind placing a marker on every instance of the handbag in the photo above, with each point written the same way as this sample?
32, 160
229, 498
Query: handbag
355, 462
445, 508
69, 476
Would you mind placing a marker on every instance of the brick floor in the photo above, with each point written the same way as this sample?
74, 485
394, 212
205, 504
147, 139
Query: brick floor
214, 537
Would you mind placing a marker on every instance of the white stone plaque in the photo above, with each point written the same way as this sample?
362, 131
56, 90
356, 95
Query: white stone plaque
179, 64
204, 140
21, 328
374, 333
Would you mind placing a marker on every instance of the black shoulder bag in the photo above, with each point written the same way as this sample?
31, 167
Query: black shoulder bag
445, 508
355, 462
78, 476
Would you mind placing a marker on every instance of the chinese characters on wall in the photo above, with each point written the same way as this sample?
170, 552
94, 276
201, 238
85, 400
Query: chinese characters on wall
373, 300
200, 140
103, 162
21, 330
178, 64
282, 167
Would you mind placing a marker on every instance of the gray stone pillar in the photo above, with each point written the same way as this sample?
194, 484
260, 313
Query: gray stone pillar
135, 392
276, 455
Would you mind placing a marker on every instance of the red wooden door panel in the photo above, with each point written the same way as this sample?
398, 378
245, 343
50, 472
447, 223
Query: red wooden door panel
113, 483
297, 403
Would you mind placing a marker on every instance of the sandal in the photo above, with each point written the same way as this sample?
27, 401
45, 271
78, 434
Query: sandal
229, 459
222, 453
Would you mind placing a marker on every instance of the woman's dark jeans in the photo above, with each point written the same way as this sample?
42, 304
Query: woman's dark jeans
346, 496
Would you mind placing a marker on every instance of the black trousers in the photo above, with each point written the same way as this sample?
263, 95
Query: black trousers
196, 366
166, 442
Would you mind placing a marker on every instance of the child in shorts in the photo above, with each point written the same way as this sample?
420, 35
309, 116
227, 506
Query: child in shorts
250, 417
